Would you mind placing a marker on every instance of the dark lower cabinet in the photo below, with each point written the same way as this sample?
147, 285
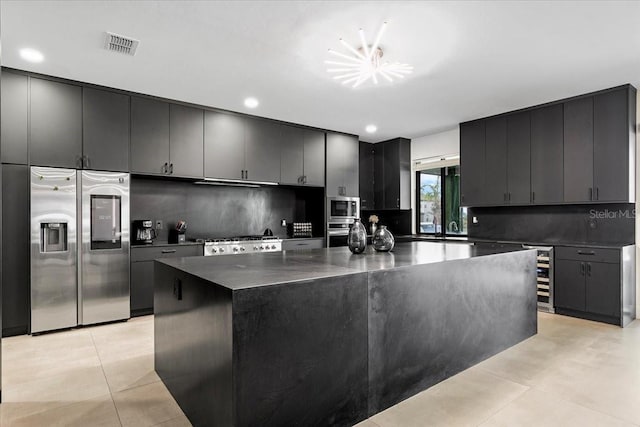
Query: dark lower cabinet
595, 283
15, 255
141, 288
602, 288
141, 273
569, 284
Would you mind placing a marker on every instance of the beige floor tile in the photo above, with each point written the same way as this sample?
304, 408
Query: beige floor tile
75, 385
367, 423
535, 408
98, 412
465, 399
181, 421
130, 373
146, 405
129, 340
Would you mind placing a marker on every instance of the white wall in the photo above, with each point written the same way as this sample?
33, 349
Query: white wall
439, 144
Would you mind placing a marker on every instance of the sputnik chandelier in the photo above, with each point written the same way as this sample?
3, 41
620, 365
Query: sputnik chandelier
365, 63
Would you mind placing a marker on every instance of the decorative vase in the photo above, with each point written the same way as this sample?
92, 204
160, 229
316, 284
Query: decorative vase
373, 228
357, 237
383, 240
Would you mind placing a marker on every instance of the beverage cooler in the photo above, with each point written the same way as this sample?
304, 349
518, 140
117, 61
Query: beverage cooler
79, 248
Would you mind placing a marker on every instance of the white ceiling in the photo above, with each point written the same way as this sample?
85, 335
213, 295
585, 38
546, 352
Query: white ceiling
471, 59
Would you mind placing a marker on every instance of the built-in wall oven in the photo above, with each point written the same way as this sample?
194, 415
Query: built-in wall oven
341, 211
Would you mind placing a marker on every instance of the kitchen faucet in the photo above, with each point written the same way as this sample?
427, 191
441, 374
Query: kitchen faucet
453, 226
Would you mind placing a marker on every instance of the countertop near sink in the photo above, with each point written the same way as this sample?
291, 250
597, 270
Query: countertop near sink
595, 245
166, 244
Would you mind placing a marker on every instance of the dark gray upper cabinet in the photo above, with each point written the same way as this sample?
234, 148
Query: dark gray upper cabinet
186, 141
15, 113
378, 176
292, 156
396, 173
613, 142
105, 130
472, 169
573, 151
518, 158
578, 150
495, 191
56, 124
262, 150
149, 136
224, 145
314, 157
547, 154
302, 157
342, 165
365, 170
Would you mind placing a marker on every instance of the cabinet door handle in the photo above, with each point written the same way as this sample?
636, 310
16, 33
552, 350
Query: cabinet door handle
533, 196
597, 193
586, 253
590, 193
171, 169
88, 161
246, 174
165, 168
588, 269
397, 203
509, 196
168, 251
582, 268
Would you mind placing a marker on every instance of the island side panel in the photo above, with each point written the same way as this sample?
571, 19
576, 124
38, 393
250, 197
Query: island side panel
193, 344
300, 353
429, 322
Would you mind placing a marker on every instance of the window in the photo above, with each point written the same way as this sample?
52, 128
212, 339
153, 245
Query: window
438, 205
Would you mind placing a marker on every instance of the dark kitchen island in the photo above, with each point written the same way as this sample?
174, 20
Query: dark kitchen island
324, 337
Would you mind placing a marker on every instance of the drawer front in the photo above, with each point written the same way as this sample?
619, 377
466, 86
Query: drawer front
292, 245
149, 253
588, 254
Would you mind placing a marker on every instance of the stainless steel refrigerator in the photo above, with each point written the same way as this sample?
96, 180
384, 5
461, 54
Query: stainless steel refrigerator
79, 248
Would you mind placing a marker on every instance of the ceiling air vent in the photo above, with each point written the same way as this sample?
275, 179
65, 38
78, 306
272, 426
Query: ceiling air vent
122, 44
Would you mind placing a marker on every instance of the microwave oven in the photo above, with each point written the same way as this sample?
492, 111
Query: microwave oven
343, 209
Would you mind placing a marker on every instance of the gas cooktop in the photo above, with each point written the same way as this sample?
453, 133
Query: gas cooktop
242, 244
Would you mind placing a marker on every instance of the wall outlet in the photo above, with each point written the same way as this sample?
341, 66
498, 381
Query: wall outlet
474, 220
283, 223
159, 224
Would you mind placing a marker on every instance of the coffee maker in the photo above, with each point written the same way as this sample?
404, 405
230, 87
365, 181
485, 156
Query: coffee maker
143, 232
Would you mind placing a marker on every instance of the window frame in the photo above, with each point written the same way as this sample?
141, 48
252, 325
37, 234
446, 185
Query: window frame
443, 191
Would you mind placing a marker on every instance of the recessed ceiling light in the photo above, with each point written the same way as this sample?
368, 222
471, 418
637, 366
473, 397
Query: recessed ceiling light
371, 128
251, 102
31, 55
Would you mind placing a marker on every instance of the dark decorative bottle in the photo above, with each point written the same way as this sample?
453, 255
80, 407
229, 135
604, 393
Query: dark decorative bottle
357, 237
383, 240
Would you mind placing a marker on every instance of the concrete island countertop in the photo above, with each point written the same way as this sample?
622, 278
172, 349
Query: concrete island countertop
255, 270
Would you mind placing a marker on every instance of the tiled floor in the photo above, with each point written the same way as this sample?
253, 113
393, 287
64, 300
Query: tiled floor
573, 373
